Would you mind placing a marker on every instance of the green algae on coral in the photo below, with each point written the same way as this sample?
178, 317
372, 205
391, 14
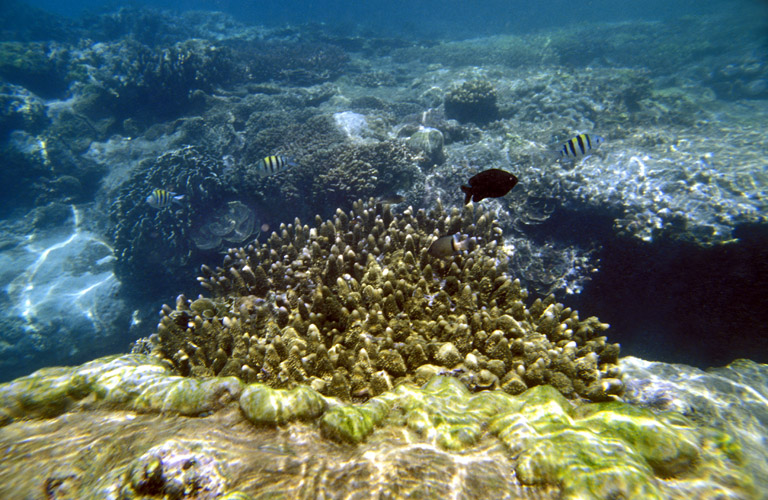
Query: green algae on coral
583, 450
352, 423
263, 405
596, 450
130, 382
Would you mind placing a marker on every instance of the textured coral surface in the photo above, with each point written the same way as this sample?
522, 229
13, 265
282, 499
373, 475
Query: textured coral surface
81, 432
356, 305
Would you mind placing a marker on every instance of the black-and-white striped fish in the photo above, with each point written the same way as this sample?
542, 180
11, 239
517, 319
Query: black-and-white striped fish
160, 198
580, 145
274, 164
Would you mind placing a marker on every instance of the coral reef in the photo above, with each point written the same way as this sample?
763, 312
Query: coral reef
332, 172
153, 247
220, 438
126, 80
296, 63
20, 110
745, 79
428, 141
731, 399
40, 67
132, 382
233, 223
473, 101
355, 306
342, 174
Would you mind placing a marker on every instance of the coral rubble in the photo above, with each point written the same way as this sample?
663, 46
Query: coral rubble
355, 306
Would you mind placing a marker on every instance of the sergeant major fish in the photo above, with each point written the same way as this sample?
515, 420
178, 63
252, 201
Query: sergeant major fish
448, 246
580, 145
491, 183
160, 198
274, 164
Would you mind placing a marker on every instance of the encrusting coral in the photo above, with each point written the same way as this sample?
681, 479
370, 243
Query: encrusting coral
557, 449
356, 305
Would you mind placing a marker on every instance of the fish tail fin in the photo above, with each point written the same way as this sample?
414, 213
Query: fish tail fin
467, 193
178, 199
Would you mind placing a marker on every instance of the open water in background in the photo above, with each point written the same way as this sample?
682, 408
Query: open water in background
446, 19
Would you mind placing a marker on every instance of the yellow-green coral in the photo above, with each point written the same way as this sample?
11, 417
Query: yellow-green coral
135, 382
263, 405
581, 450
356, 305
597, 450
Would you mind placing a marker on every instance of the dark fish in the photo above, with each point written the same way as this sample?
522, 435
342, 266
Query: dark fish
491, 183
447, 246
160, 198
274, 164
580, 145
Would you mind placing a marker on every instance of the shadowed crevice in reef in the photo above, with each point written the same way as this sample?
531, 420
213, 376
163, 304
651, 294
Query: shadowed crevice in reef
683, 303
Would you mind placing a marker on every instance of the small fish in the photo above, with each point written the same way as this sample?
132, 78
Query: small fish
580, 145
160, 198
491, 183
448, 246
274, 164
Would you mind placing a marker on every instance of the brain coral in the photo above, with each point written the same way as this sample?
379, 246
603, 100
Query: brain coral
356, 305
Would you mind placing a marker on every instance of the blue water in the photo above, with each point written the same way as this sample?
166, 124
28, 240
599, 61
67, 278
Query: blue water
433, 19
661, 233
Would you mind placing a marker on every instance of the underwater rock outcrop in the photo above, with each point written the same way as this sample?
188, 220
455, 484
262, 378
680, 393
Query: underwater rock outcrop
356, 305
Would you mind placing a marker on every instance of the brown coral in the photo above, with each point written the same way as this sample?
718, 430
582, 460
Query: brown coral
355, 306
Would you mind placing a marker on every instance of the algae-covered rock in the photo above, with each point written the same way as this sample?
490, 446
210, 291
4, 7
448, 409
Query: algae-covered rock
351, 423
428, 141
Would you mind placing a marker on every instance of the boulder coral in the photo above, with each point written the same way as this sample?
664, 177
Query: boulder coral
473, 101
356, 305
221, 438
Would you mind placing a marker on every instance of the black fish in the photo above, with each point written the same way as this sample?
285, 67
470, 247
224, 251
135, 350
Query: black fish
491, 183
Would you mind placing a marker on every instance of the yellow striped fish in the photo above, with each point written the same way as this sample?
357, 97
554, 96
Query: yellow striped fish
580, 145
274, 164
160, 198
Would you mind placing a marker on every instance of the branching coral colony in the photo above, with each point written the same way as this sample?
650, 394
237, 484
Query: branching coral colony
356, 305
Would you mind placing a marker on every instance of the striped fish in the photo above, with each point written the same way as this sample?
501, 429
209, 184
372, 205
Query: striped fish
160, 198
580, 145
274, 164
